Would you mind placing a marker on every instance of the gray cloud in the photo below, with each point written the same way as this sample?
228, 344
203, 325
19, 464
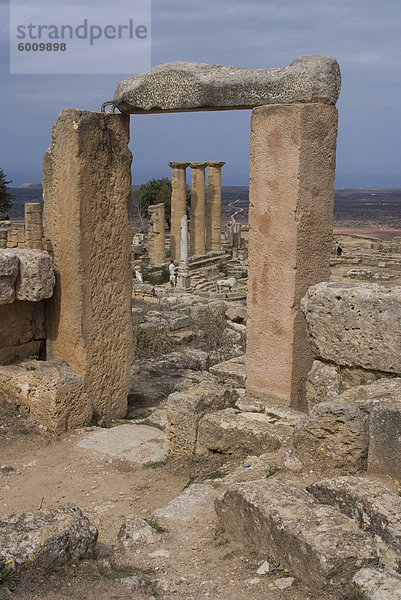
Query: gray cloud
363, 35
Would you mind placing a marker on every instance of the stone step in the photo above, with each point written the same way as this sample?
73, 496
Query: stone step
232, 432
377, 584
315, 542
372, 505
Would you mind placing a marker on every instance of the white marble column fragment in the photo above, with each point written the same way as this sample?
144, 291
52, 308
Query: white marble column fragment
184, 281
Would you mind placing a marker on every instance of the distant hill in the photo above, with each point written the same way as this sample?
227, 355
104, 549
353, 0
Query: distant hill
352, 208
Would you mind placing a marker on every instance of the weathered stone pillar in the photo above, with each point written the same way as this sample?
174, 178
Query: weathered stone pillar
178, 204
213, 206
197, 224
291, 223
156, 234
3, 238
86, 184
33, 225
184, 280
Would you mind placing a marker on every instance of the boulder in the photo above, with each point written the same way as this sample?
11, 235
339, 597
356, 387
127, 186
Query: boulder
236, 313
316, 543
9, 268
185, 409
355, 325
179, 86
322, 380
49, 391
36, 277
45, 539
335, 434
231, 432
372, 505
377, 584
136, 531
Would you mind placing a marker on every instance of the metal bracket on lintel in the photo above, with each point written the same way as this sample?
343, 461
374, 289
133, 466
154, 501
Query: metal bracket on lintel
110, 103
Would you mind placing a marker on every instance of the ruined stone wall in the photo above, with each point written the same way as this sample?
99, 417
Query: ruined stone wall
26, 279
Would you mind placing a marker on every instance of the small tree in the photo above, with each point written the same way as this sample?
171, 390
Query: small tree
5, 196
155, 191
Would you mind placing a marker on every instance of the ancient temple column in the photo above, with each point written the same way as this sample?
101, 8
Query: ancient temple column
3, 238
184, 280
33, 225
156, 234
213, 206
197, 224
86, 185
178, 204
291, 222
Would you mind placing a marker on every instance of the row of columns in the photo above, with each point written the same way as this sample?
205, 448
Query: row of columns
205, 224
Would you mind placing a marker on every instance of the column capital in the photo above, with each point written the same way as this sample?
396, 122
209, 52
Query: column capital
198, 165
216, 163
178, 164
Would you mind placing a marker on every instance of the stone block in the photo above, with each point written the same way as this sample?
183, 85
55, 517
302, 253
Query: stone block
236, 313
187, 507
385, 440
36, 275
201, 313
181, 86
184, 411
290, 241
86, 187
375, 508
377, 584
367, 397
49, 391
336, 434
230, 370
230, 432
9, 267
322, 380
177, 321
139, 444
22, 330
355, 325
45, 540
316, 543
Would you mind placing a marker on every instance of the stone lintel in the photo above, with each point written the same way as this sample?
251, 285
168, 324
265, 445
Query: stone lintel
187, 86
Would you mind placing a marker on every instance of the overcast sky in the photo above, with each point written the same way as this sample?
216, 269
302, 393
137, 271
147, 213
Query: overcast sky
363, 35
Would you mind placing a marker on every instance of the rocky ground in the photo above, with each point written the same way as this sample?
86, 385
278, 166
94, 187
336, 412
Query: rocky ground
182, 555
171, 525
